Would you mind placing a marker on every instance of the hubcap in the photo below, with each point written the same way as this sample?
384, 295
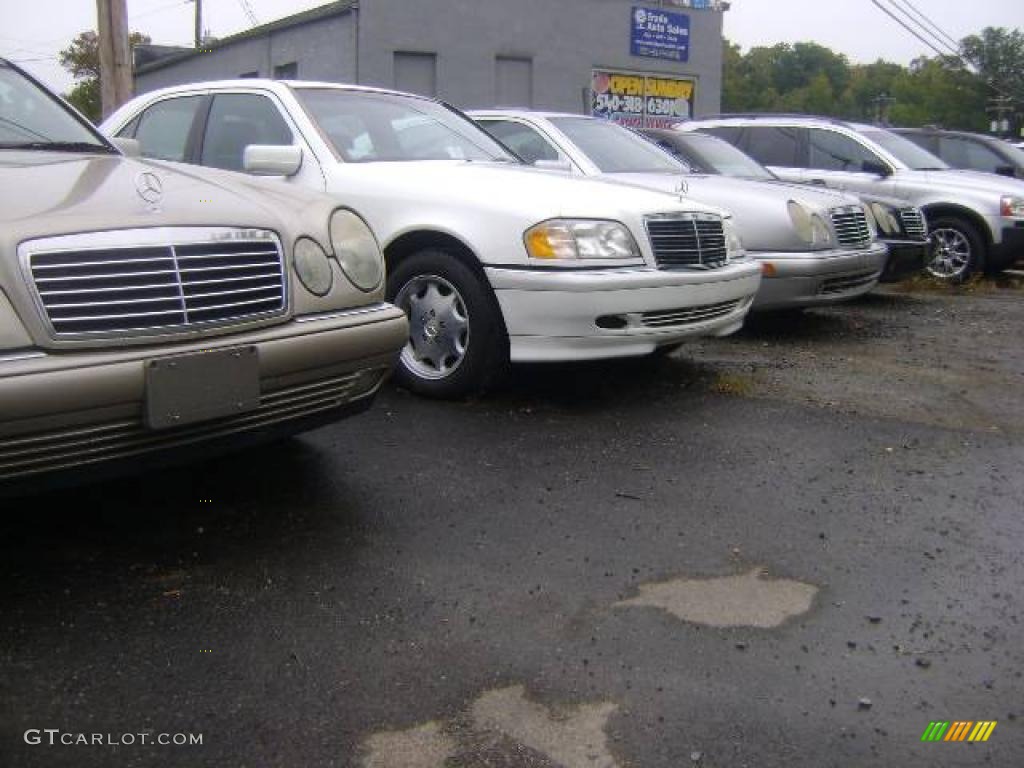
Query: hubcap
438, 326
951, 253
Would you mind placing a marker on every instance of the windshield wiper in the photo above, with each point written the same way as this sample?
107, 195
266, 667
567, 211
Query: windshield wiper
59, 146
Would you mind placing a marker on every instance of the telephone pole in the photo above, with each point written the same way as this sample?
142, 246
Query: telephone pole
1000, 107
199, 23
115, 62
881, 103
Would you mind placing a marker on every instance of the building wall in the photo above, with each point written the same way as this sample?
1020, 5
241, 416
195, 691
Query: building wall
323, 50
565, 40
561, 41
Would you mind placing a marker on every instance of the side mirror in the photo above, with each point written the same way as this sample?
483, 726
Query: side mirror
272, 160
128, 147
879, 169
553, 165
1006, 170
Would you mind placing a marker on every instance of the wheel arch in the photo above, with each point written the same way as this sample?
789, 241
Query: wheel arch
408, 243
951, 210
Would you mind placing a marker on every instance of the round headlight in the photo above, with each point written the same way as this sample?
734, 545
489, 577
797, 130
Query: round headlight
357, 249
313, 267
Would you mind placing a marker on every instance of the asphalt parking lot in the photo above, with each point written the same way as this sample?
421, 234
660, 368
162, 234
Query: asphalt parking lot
794, 547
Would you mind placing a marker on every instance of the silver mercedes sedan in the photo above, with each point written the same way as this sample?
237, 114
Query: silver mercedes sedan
814, 246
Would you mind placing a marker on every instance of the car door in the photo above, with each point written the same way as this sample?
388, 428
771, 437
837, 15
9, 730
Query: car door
840, 161
965, 152
236, 120
778, 147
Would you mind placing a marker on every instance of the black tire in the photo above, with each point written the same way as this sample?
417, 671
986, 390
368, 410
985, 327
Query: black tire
457, 341
958, 249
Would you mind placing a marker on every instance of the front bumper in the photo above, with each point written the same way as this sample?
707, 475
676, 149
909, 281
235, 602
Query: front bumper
66, 410
1010, 250
906, 259
816, 279
556, 314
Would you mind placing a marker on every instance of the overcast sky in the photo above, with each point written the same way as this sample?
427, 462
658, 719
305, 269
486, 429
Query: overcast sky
32, 31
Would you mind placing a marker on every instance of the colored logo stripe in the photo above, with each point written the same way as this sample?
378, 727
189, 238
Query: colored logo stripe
982, 731
958, 730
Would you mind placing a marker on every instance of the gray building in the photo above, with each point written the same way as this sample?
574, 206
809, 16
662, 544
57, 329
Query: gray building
635, 62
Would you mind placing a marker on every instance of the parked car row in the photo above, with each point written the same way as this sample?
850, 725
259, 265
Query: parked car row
815, 246
159, 296
976, 219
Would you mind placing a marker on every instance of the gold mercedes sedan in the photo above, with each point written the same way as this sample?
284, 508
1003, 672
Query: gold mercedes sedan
150, 313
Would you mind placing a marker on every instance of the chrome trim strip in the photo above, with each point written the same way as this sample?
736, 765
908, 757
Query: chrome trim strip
343, 313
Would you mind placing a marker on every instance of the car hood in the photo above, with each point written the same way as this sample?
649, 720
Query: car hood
758, 207
48, 193
535, 194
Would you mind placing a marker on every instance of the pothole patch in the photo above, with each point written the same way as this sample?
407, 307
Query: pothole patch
746, 600
501, 728
574, 739
425, 746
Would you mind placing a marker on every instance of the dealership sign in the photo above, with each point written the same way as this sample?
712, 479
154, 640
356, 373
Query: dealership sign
640, 101
659, 34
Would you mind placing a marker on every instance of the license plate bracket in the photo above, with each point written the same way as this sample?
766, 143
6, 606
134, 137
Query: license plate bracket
200, 386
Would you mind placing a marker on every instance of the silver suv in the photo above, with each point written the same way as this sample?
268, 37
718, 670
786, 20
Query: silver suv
976, 219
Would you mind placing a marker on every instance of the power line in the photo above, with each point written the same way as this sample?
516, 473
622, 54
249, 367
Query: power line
912, 31
955, 56
247, 10
159, 9
938, 33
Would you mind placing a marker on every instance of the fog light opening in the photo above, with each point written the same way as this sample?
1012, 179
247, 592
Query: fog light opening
611, 322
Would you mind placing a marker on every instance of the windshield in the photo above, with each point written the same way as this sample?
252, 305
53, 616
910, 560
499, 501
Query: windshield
366, 127
614, 149
906, 151
30, 118
724, 158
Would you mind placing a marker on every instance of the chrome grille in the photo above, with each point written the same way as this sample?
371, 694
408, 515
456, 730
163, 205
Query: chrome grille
913, 222
851, 226
97, 288
687, 240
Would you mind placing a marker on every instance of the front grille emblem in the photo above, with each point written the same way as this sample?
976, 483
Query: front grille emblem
149, 187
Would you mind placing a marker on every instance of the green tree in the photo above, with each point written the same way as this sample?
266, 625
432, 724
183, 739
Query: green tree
809, 78
998, 55
82, 59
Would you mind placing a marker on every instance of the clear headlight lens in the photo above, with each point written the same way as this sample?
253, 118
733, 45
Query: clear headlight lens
822, 235
313, 267
357, 249
809, 226
885, 218
559, 239
801, 219
733, 242
1012, 207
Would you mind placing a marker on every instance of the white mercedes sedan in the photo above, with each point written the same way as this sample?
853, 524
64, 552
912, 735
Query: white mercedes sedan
492, 261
